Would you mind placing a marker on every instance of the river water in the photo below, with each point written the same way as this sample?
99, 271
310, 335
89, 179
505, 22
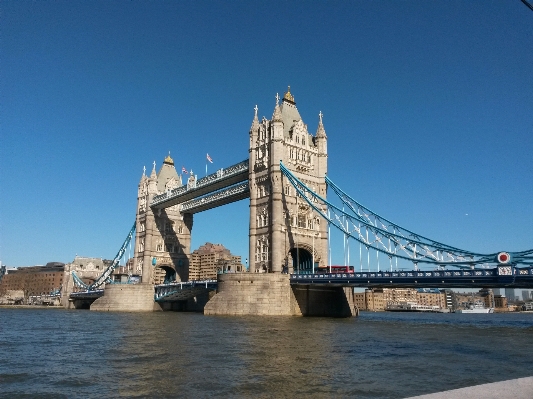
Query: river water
52, 353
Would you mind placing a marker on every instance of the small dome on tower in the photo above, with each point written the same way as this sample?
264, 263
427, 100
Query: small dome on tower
288, 96
169, 160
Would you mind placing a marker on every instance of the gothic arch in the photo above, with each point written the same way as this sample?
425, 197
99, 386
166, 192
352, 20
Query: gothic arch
164, 274
300, 258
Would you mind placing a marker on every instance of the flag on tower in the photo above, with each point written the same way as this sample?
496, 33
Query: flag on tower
209, 158
183, 170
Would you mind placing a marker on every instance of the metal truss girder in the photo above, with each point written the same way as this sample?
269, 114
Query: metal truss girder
86, 294
222, 197
183, 291
222, 178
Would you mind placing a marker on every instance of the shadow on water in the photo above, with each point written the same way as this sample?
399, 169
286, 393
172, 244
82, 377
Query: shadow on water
165, 355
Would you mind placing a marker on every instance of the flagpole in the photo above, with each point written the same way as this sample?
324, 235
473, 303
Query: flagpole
207, 160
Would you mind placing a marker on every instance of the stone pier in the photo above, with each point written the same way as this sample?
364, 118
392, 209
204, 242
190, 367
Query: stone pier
270, 294
127, 298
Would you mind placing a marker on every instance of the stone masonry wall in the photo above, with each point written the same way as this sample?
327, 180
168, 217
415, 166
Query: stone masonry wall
271, 294
252, 294
127, 298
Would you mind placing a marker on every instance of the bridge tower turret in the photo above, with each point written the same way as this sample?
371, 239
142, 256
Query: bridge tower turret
163, 236
285, 233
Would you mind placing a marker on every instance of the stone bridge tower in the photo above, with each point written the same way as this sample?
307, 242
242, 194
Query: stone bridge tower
163, 236
285, 233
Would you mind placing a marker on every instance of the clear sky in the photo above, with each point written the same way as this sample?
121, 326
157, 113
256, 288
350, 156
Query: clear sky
428, 108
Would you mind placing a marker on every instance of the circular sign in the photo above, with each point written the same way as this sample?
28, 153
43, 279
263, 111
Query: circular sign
503, 257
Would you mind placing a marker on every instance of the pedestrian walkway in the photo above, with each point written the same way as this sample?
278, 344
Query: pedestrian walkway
521, 388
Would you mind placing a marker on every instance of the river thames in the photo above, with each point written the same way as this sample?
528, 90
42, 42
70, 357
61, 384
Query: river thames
52, 353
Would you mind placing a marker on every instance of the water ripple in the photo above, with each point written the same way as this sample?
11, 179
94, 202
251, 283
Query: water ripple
76, 354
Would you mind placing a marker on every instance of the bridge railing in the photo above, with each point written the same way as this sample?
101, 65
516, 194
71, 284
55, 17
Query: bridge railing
221, 174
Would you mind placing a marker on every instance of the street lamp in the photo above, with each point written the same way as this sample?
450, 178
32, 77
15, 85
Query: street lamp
313, 253
317, 235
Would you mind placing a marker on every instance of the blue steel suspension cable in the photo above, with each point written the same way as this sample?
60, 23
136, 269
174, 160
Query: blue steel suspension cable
299, 186
521, 256
460, 258
107, 273
423, 257
348, 201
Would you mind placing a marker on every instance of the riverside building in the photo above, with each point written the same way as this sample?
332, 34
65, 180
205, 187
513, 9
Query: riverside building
33, 280
210, 259
378, 299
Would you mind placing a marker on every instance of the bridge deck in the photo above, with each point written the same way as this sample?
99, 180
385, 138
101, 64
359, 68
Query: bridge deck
86, 295
183, 291
485, 278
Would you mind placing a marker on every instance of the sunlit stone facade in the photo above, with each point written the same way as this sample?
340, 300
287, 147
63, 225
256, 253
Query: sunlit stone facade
285, 233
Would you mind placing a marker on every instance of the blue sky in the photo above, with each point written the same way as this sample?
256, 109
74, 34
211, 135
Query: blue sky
428, 107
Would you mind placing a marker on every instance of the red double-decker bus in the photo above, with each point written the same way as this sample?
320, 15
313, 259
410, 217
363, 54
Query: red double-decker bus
334, 269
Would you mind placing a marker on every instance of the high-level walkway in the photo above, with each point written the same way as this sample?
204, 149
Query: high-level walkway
194, 189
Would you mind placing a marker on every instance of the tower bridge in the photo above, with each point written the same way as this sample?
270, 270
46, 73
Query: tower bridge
290, 219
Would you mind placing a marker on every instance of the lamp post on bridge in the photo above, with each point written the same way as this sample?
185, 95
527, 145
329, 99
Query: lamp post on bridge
317, 235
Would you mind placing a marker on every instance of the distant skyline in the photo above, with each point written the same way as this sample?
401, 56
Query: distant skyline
428, 109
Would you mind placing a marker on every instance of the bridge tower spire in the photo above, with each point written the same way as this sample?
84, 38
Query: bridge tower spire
285, 233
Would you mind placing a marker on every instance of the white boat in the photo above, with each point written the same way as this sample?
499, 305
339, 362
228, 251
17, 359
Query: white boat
475, 308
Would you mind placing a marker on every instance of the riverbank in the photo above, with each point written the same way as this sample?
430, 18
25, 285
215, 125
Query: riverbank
30, 307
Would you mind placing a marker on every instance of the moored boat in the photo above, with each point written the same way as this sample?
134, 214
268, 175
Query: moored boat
413, 307
475, 308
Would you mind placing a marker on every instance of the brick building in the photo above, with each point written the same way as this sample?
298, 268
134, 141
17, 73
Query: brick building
34, 280
500, 301
209, 259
